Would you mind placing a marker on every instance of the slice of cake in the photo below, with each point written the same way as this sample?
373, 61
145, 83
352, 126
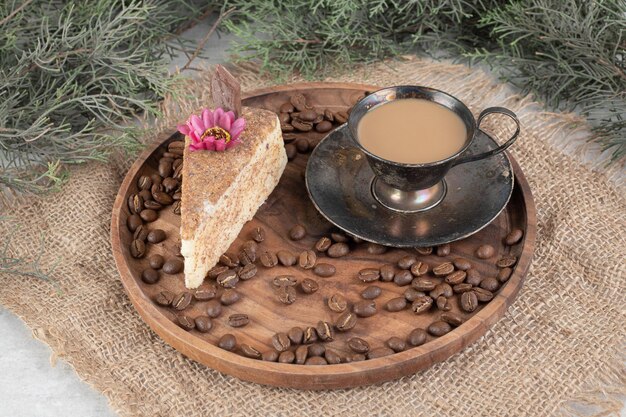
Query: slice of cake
227, 174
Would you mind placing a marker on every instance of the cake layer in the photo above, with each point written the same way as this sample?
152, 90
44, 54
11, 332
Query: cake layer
221, 191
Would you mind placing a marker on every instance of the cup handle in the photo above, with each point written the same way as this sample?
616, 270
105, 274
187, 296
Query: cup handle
499, 149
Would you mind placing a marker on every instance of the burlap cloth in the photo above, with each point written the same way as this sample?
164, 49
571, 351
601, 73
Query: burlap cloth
561, 343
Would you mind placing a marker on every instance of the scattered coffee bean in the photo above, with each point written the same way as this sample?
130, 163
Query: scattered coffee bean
396, 344
379, 352
346, 321
281, 342
456, 277
291, 151
133, 222
162, 198
137, 248
309, 286
323, 244
443, 304
286, 357
152, 205
287, 108
387, 272
421, 304
365, 308
324, 331
150, 276
337, 250
324, 270
216, 271
339, 237
452, 318
258, 234
297, 232
423, 284
270, 355
247, 272
228, 279
337, 303
369, 274
164, 298
371, 292
214, 308
238, 320
205, 294
186, 322
165, 167
329, 115
203, 324
341, 117
295, 335
310, 335
443, 269
316, 360
286, 294
308, 115
230, 260
170, 184
302, 145
374, 249
229, 297
417, 337
227, 342
323, 126
504, 274
249, 351
406, 262
506, 261
307, 259
443, 250
396, 304
286, 258
141, 233
473, 277
411, 294
156, 236
268, 259
148, 215
332, 357
301, 125
358, 345
135, 203
439, 328
356, 357
144, 182
513, 237
489, 284
173, 266
285, 280
461, 288
284, 118
419, 268
403, 278
247, 256
424, 251
317, 349
462, 264
441, 289
182, 301
485, 251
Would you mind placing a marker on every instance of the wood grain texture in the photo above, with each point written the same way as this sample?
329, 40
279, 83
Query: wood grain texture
288, 205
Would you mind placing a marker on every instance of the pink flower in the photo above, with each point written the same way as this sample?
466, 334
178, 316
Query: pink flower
213, 130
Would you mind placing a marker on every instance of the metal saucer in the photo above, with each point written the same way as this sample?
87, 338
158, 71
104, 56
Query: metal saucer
339, 181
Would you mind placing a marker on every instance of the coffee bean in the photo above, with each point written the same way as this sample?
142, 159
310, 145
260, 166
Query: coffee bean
298, 101
286, 258
137, 249
297, 232
286, 294
135, 203
473, 277
316, 360
164, 298
301, 125
323, 244
165, 167
452, 318
364, 308
339, 237
346, 321
238, 320
133, 222
406, 262
329, 115
371, 292
443, 304
443, 250
258, 234
456, 277
176, 208
270, 355
396, 344
337, 303
387, 272
419, 268
247, 272
286, 108
205, 294
317, 349
228, 279
332, 357
229, 297
291, 151
214, 308
341, 117
417, 337
186, 322
337, 250
324, 270
156, 179
483, 295
423, 284
324, 331
216, 270
396, 304
285, 280
156, 236
150, 276
462, 264
146, 195
441, 289
295, 335
248, 256
323, 126
310, 335
284, 118
182, 301
281, 342
369, 274
162, 198
170, 184
506, 261
152, 205
356, 357
249, 351
439, 328
424, 251
302, 145
485, 251
141, 233
307, 259
504, 274
374, 249
443, 269
203, 324
421, 304
461, 288
403, 278
286, 357
268, 259
411, 294
309, 286
227, 342
513, 237
144, 182
379, 352
308, 115
230, 260
490, 284
358, 345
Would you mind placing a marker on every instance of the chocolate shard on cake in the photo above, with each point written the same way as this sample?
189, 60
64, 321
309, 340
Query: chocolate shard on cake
221, 191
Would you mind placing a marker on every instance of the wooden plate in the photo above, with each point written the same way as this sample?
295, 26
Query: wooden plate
288, 205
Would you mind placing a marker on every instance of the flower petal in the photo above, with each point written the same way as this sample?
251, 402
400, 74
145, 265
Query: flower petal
224, 122
231, 116
237, 128
197, 124
220, 145
233, 143
217, 113
184, 129
196, 146
207, 118
194, 137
